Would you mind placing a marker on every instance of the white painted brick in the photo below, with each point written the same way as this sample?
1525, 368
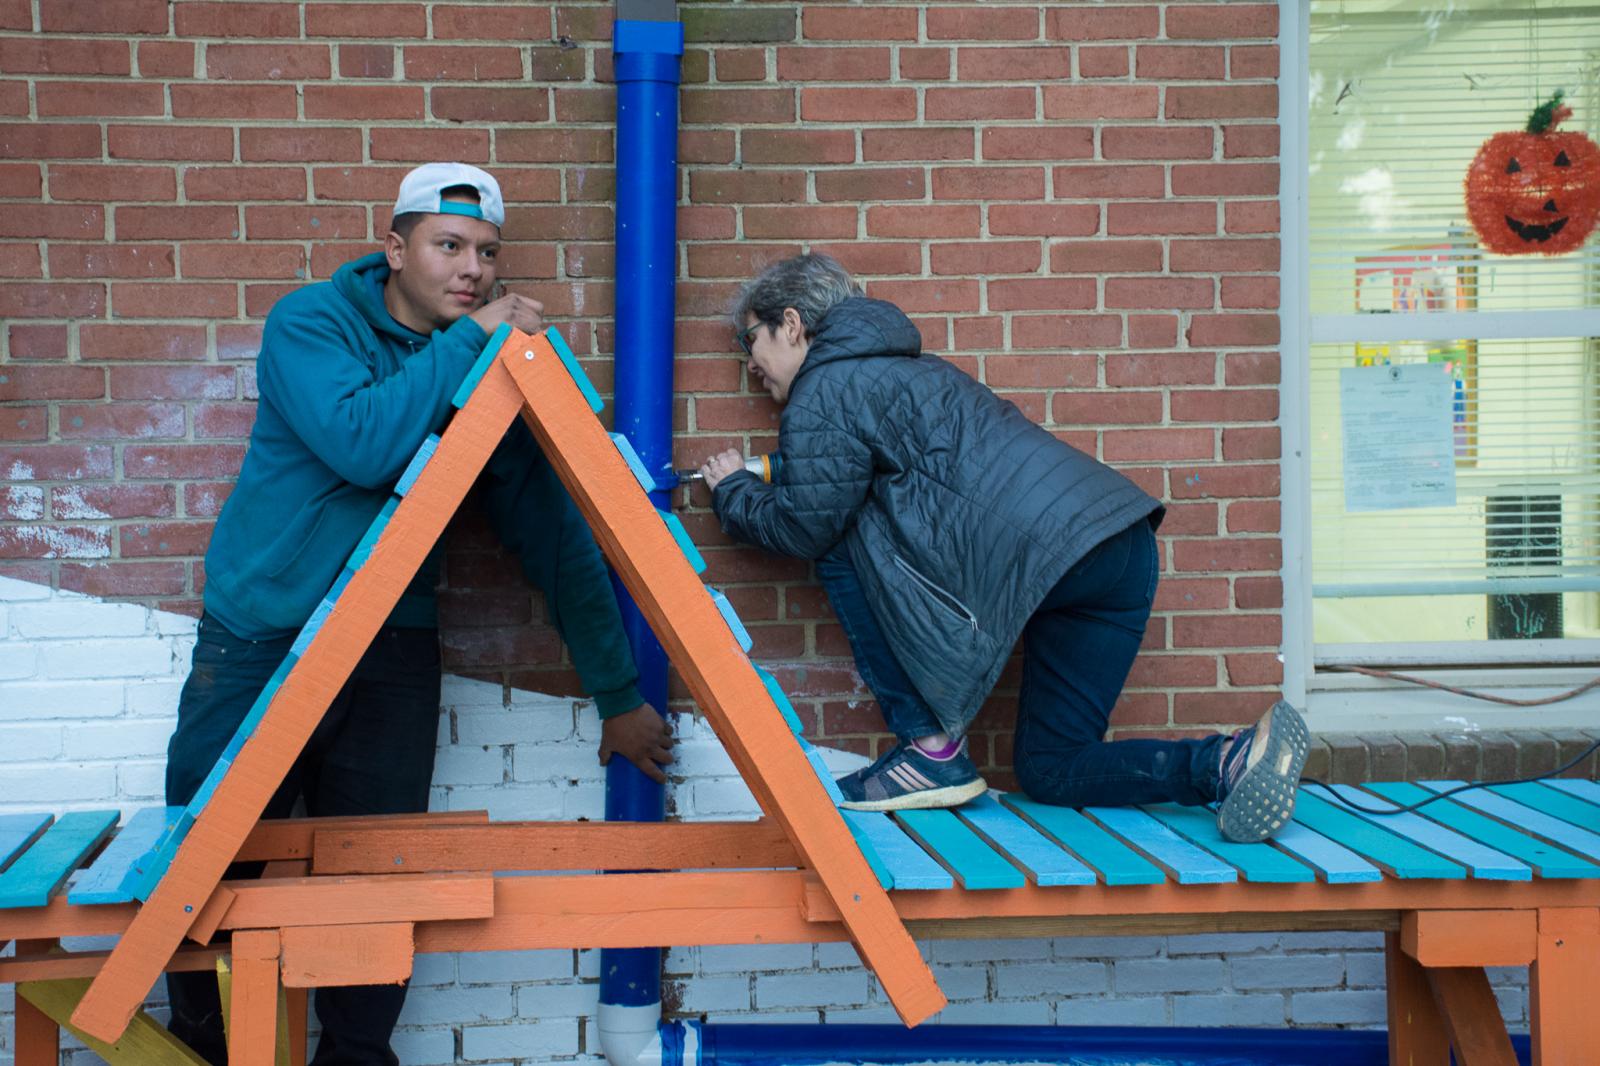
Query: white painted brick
172, 624
30, 742
434, 968
61, 782
1107, 947
522, 1040
1169, 975
1221, 943
1018, 950
803, 990
1338, 1008
1124, 1010
18, 660
567, 1000
837, 956
84, 618
1513, 1004
1058, 979
501, 726
1286, 971
864, 1016
589, 964
583, 802
725, 796
461, 765
424, 1047
698, 995
744, 958
1260, 1010
458, 691
1364, 969
155, 699
452, 1005
1015, 1012
117, 739
133, 657
502, 967
64, 699
1325, 941
963, 982
766, 1017
559, 764
15, 591
146, 780
507, 803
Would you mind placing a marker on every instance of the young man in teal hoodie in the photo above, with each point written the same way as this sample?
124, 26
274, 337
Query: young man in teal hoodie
354, 374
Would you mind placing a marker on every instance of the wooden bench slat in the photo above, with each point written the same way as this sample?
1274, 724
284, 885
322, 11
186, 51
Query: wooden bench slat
1037, 854
1117, 863
17, 831
1337, 864
1257, 862
909, 867
975, 864
1189, 864
104, 881
1523, 817
1554, 803
1395, 854
1547, 859
1588, 791
38, 872
1483, 861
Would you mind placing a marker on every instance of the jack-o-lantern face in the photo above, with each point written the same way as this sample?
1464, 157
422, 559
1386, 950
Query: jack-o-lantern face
1535, 190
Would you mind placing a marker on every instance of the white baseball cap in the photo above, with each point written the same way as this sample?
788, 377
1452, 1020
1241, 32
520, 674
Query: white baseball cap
422, 191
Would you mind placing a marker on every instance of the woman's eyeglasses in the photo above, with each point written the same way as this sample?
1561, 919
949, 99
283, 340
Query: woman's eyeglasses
746, 336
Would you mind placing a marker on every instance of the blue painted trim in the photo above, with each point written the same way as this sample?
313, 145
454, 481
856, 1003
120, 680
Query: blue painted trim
413, 469
1395, 854
685, 543
635, 464
313, 626
1484, 862
819, 766
33, 878
481, 366
781, 698
1189, 864
103, 882
369, 540
912, 868
1117, 863
1259, 863
1005, 831
730, 616
963, 852
570, 361
1549, 860
17, 831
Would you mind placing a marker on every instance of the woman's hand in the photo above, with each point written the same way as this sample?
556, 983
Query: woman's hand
720, 466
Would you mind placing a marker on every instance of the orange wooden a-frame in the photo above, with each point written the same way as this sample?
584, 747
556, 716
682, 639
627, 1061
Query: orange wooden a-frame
524, 375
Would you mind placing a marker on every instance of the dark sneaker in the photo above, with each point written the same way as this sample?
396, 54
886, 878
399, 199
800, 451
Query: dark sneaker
1260, 775
905, 779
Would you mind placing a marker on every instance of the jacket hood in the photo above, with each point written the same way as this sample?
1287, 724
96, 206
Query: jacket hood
859, 327
361, 282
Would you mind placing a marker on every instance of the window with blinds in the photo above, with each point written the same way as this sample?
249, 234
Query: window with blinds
1501, 542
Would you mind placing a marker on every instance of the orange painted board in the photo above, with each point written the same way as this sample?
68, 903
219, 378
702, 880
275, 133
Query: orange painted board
292, 838
253, 1003
260, 766
36, 1038
1417, 1035
721, 678
88, 963
1471, 1016
1561, 988
318, 956
334, 901
1469, 938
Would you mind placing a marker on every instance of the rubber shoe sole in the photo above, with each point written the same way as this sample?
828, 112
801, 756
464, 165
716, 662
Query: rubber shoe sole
1262, 801
927, 799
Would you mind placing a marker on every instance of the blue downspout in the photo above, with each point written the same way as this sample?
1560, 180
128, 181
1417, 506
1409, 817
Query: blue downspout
647, 58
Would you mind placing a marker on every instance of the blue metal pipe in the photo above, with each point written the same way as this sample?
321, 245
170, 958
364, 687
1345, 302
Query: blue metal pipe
647, 59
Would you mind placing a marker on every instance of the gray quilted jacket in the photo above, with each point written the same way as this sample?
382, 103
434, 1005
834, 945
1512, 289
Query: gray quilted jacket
958, 513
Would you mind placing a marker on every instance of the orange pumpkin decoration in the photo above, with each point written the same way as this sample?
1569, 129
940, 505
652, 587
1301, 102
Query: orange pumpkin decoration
1535, 190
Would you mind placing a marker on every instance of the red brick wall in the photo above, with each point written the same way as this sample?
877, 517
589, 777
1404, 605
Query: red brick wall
1076, 202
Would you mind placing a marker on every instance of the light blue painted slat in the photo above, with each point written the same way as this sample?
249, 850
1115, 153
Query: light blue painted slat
819, 766
685, 544
730, 616
1523, 817
409, 477
1549, 860
974, 863
1337, 864
570, 361
1118, 864
880, 869
481, 367
911, 867
1401, 857
39, 871
1552, 802
247, 726
1007, 833
1484, 862
17, 831
308, 632
636, 464
369, 539
103, 882
1584, 790
1189, 864
1258, 862
782, 700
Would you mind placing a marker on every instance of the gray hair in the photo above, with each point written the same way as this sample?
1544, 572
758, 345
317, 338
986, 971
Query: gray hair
811, 284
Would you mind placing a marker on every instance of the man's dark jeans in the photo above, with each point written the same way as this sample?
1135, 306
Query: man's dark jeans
1077, 649
371, 754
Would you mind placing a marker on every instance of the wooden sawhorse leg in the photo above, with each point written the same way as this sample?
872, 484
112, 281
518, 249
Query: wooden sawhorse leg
1562, 984
38, 1037
1417, 1035
249, 989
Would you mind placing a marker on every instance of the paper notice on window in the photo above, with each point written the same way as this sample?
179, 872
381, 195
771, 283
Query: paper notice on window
1399, 447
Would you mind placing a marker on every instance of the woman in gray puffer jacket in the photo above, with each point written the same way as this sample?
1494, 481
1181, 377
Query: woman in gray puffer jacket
945, 525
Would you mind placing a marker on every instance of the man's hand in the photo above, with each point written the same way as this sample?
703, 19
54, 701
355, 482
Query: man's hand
720, 466
523, 313
642, 737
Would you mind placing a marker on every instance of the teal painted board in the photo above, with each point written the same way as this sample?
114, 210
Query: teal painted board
911, 868
1584, 790
1399, 856
1337, 864
414, 468
1552, 802
17, 831
1549, 860
635, 464
1259, 863
313, 626
39, 871
819, 766
481, 366
1117, 863
1189, 864
730, 616
570, 361
880, 869
974, 863
247, 726
104, 881
1484, 862
685, 544
781, 698
369, 539
1005, 831
146, 871
1523, 817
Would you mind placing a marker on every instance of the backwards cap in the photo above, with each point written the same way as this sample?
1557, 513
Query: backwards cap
422, 191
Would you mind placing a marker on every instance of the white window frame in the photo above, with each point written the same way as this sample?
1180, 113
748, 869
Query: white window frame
1340, 701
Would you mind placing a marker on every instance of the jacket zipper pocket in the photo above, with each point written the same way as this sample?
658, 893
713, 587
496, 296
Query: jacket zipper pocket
938, 592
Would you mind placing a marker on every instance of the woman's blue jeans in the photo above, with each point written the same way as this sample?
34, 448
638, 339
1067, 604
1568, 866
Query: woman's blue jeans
1077, 649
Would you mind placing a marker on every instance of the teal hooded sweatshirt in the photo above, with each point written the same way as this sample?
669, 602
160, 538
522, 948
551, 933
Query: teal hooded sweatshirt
347, 395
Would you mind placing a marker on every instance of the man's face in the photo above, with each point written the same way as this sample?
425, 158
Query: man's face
443, 270
776, 352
